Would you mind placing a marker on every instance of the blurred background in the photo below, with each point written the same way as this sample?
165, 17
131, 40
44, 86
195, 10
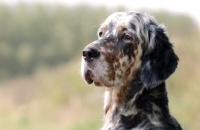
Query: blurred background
41, 43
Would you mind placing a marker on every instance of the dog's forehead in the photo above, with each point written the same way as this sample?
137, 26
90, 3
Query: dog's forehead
118, 18
126, 19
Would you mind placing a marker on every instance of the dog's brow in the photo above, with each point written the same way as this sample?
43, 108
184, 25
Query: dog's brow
122, 27
132, 26
104, 27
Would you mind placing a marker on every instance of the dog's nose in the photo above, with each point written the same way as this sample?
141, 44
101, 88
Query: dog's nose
89, 54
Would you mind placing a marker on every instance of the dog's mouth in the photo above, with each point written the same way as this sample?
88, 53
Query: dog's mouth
89, 77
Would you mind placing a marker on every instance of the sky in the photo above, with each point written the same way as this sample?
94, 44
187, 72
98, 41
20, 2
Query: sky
189, 7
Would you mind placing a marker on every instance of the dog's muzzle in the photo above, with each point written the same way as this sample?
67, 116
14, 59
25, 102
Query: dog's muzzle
89, 55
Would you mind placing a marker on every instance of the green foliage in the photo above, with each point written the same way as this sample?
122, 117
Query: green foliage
36, 36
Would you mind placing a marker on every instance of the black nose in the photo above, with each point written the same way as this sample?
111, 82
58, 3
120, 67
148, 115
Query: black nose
89, 54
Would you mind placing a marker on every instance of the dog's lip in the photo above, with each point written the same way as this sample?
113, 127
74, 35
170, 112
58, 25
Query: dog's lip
97, 83
88, 77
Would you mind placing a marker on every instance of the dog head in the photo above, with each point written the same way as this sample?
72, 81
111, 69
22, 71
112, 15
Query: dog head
129, 44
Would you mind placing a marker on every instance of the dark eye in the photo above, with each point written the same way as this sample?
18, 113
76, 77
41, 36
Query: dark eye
100, 34
127, 37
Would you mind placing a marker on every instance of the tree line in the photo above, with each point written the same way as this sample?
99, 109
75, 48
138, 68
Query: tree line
34, 36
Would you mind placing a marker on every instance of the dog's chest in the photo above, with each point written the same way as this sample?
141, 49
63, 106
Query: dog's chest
116, 122
115, 109
126, 115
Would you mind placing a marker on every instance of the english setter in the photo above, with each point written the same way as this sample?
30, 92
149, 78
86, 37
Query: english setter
132, 58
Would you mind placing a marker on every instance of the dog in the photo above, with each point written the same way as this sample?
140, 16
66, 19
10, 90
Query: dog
132, 58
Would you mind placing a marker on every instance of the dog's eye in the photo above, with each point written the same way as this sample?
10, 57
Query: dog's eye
127, 37
100, 34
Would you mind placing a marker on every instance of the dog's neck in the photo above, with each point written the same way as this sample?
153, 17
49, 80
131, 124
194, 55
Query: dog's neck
116, 97
128, 101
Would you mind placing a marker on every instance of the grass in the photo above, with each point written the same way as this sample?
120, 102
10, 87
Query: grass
58, 99
55, 99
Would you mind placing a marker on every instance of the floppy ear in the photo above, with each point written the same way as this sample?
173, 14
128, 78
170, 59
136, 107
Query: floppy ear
159, 60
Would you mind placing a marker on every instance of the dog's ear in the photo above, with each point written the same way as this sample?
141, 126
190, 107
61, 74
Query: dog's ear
159, 60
